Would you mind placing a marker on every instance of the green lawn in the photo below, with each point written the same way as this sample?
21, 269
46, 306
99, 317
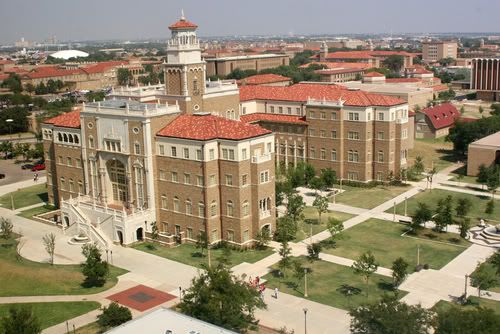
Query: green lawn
311, 219
488, 303
431, 198
325, 280
190, 255
25, 197
36, 211
368, 198
92, 328
22, 277
50, 314
384, 240
465, 178
435, 152
496, 287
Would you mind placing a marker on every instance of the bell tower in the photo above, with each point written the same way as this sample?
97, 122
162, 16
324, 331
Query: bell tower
184, 70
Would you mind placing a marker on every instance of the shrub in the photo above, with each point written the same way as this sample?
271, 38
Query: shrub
113, 315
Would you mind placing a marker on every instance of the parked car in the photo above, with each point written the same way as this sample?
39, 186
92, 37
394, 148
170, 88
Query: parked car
28, 166
38, 167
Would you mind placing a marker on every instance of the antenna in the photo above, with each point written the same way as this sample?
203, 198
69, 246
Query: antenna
182, 15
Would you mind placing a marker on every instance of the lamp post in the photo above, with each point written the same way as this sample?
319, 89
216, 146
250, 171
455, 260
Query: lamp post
406, 205
465, 294
305, 282
305, 320
9, 121
180, 294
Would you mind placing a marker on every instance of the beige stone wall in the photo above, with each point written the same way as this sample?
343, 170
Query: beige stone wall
221, 104
224, 67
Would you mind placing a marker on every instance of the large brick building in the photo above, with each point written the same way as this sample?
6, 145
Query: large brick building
361, 136
485, 78
118, 166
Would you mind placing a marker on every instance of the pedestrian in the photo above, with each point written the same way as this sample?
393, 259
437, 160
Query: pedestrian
481, 223
276, 293
257, 280
34, 177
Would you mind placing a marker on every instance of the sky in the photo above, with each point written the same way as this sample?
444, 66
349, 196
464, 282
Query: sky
143, 19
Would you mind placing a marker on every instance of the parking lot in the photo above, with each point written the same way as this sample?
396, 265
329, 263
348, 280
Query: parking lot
14, 173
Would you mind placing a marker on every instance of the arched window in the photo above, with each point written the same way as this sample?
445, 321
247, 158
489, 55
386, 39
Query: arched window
245, 208
65, 136
70, 138
230, 209
176, 204
201, 209
213, 209
189, 207
59, 137
91, 142
77, 140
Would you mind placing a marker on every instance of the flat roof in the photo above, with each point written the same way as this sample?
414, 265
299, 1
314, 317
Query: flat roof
266, 55
490, 141
162, 320
386, 88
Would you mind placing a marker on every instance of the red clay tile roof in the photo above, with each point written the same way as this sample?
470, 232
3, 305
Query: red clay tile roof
303, 91
67, 120
402, 80
364, 54
333, 65
260, 79
422, 71
207, 127
4, 76
440, 88
374, 75
51, 71
251, 118
338, 70
6, 61
183, 24
442, 116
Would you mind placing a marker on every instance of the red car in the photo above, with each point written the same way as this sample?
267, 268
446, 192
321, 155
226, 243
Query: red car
38, 167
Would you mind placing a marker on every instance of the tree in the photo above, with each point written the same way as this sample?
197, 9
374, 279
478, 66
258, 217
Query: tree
20, 320
457, 320
419, 164
298, 270
49, 241
124, 76
463, 206
394, 63
444, 213
316, 183
495, 260
30, 88
495, 109
422, 215
94, 268
285, 260
13, 83
313, 251
464, 226
462, 110
262, 238
295, 207
464, 133
430, 176
155, 234
5, 228
328, 177
365, 266
483, 278
481, 110
390, 316
202, 242
446, 61
321, 205
334, 226
399, 271
218, 297
6, 147
286, 228
482, 175
309, 173
490, 207
22, 149
113, 315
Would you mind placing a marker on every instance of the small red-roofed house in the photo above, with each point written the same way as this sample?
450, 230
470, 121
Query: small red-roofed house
436, 121
265, 80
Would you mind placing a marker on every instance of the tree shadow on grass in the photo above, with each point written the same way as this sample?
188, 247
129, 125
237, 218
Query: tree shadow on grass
311, 221
197, 254
385, 286
447, 155
44, 197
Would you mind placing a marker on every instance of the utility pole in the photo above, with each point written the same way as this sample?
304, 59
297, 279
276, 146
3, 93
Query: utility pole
305, 320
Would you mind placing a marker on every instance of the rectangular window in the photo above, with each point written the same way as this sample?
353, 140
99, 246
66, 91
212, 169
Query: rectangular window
312, 153
229, 180
176, 204
244, 179
230, 235
323, 115
189, 233
78, 163
311, 132
224, 153
187, 178
289, 110
334, 116
322, 133
163, 202
280, 110
162, 149
199, 180
69, 162
71, 185
211, 154
272, 109
174, 177
162, 174
311, 114
264, 176
244, 154
173, 151
211, 180
186, 153
334, 134
245, 235
137, 148
380, 135
91, 142
380, 156
334, 155
199, 156
60, 159
353, 135
404, 134
231, 154
297, 111
380, 116
63, 185
354, 116
353, 156
269, 147
323, 154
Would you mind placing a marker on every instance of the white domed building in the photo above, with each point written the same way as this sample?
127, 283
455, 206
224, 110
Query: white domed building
67, 54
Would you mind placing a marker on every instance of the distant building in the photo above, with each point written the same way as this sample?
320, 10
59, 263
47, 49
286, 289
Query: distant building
372, 58
433, 51
436, 121
340, 74
224, 65
485, 78
485, 151
167, 321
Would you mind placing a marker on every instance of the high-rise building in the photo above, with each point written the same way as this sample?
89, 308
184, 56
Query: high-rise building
433, 51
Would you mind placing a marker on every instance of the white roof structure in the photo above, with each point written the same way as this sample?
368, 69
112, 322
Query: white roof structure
67, 54
166, 321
